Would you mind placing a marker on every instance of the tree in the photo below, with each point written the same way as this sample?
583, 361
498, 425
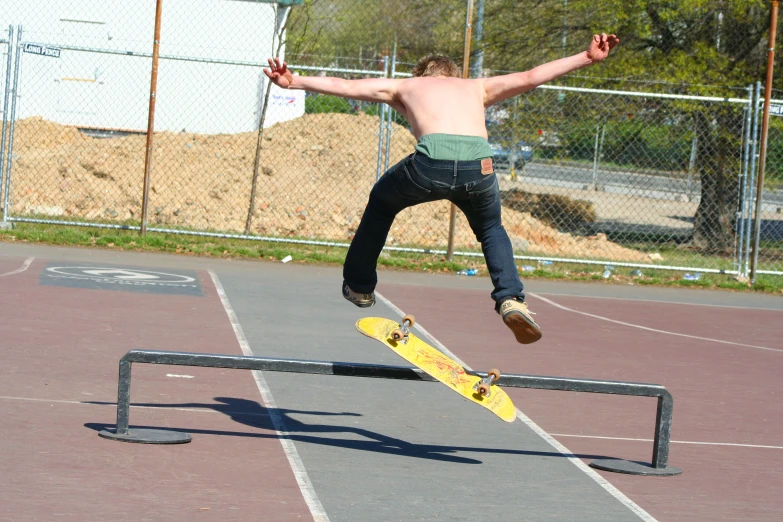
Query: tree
706, 47
371, 28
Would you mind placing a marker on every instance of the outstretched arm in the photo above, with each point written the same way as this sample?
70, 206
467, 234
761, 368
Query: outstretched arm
499, 88
380, 90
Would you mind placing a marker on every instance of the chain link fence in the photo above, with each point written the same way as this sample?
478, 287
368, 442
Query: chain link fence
588, 174
634, 177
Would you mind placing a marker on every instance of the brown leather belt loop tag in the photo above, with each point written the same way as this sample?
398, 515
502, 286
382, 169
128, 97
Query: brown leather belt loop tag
486, 166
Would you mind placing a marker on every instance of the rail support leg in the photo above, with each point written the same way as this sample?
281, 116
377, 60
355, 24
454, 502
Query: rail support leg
141, 436
660, 459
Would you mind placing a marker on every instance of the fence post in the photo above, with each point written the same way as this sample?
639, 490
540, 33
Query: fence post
753, 173
382, 123
5, 108
390, 111
151, 117
14, 98
773, 28
744, 184
280, 28
465, 74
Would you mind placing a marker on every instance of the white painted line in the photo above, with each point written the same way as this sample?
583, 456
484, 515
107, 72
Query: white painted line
697, 443
632, 325
21, 269
659, 301
297, 466
149, 407
179, 376
576, 461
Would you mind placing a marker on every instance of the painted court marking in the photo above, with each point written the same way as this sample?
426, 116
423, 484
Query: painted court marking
576, 461
21, 269
114, 405
632, 325
294, 460
658, 301
253, 414
693, 442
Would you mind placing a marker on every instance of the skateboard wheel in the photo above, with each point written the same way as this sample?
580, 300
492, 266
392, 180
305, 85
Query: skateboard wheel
483, 389
397, 335
409, 318
494, 373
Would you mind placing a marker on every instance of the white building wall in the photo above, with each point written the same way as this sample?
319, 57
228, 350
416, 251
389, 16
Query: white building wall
111, 91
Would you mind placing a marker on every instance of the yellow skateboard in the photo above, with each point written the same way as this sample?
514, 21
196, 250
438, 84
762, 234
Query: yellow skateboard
480, 390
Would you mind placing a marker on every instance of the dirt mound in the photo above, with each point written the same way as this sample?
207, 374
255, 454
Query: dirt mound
316, 172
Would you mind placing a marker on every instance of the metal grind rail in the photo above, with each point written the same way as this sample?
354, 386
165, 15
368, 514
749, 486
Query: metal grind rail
663, 419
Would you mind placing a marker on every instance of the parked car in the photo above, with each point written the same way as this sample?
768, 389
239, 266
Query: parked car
517, 155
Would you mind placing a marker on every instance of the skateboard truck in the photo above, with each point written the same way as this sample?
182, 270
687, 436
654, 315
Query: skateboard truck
401, 333
483, 386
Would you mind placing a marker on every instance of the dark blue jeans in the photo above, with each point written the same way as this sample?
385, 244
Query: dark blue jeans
420, 179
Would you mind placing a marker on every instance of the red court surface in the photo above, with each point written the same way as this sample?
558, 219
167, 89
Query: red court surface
60, 368
58, 388
728, 399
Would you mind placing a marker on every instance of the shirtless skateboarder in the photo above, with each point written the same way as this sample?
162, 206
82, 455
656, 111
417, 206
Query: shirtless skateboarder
452, 161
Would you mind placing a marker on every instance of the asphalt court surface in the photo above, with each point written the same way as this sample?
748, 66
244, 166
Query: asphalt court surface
277, 446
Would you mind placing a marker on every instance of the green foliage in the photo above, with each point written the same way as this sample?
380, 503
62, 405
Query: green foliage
774, 161
368, 29
322, 103
679, 41
319, 103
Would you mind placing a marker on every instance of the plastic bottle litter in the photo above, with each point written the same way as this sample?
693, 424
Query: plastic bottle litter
608, 269
468, 272
636, 273
692, 277
546, 262
527, 268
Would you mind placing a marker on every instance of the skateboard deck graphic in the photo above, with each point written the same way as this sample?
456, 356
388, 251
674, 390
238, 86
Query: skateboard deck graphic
438, 365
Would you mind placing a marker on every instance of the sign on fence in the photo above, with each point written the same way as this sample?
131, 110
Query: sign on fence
42, 50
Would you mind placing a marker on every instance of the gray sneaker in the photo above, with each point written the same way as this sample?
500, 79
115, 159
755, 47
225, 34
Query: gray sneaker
517, 317
360, 300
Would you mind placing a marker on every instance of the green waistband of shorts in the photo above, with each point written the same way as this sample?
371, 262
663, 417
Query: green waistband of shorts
454, 147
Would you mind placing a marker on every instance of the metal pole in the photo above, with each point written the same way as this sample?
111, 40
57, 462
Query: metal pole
692, 162
663, 420
477, 67
565, 28
390, 111
595, 155
123, 396
277, 38
465, 74
151, 117
14, 98
753, 173
382, 127
773, 28
745, 181
5, 105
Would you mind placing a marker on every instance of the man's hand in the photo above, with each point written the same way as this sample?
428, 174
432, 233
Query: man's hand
600, 46
279, 74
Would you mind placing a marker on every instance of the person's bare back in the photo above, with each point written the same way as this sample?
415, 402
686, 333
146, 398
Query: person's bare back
441, 105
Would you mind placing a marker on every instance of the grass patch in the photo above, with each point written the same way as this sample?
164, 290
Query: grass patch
229, 248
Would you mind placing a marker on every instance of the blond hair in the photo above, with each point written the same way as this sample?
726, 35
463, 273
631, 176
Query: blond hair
437, 65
